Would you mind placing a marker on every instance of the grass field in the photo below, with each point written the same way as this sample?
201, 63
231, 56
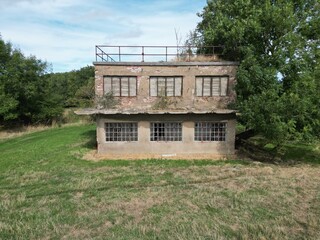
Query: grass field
47, 191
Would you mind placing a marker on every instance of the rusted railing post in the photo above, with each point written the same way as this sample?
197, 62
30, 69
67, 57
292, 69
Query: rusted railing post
96, 54
166, 54
142, 53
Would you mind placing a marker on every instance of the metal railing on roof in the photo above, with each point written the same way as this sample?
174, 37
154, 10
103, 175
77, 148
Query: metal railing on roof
106, 53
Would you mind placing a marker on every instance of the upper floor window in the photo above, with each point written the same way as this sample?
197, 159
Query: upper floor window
124, 86
212, 86
166, 86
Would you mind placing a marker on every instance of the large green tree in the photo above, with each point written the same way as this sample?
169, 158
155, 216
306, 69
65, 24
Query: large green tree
24, 93
277, 45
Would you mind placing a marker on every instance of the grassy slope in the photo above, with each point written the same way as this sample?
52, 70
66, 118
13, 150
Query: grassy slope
48, 191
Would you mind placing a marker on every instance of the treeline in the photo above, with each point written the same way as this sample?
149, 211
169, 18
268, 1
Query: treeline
31, 95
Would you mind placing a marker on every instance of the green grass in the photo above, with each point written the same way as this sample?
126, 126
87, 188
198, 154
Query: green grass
47, 191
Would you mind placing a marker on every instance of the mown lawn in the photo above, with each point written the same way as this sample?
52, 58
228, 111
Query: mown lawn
47, 191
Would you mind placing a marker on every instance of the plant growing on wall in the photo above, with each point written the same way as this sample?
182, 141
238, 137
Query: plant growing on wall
162, 103
107, 101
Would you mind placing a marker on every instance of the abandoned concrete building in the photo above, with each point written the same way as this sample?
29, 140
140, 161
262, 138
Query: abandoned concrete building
176, 106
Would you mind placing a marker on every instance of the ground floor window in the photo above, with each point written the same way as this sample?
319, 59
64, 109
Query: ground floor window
120, 132
210, 131
165, 131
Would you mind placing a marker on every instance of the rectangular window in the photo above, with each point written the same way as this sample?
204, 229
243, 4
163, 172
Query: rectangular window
121, 132
120, 86
166, 86
212, 86
165, 131
210, 131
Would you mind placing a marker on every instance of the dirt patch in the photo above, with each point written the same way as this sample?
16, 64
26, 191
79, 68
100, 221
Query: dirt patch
137, 207
94, 156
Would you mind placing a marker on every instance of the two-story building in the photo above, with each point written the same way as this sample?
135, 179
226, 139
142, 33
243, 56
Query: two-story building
163, 109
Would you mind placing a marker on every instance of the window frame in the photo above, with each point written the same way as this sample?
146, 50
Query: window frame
212, 134
212, 77
113, 137
166, 90
120, 83
168, 134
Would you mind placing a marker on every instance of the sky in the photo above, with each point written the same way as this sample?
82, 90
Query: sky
64, 32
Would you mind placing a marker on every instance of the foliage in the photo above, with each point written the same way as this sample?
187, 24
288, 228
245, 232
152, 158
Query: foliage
30, 95
75, 87
162, 103
107, 101
277, 45
24, 93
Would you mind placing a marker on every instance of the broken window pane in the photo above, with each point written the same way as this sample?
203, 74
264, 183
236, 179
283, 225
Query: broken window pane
215, 86
120, 132
224, 86
178, 86
210, 131
206, 86
107, 85
153, 87
165, 131
198, 86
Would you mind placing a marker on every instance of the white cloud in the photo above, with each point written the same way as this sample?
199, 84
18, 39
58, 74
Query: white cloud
64, 32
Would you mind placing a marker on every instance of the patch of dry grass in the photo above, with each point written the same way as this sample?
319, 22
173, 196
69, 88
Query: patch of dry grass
143, 202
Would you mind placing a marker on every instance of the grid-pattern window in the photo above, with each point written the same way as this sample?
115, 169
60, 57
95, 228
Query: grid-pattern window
166, 86
165, 131
123, 86
121, 132
210, 131
212, 86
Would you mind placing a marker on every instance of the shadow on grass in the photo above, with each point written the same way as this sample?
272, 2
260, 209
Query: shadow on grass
302, 153
291, 153
91, 138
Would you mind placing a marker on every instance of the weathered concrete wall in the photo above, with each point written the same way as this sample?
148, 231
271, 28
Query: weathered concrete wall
187, 148
188, 71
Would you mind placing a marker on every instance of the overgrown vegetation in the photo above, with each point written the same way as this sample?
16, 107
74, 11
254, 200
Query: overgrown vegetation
278, 46
107, 101
163, 102
47, 191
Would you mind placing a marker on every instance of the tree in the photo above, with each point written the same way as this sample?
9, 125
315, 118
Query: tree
24, 91
277, 45
76, 88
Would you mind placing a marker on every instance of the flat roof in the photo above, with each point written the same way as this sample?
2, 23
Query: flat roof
94, 111
219, 63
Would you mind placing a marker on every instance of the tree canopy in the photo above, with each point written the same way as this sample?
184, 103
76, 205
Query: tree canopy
31, 95
277, 45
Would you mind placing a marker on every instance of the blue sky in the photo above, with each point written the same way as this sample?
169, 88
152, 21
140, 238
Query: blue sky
65, 32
